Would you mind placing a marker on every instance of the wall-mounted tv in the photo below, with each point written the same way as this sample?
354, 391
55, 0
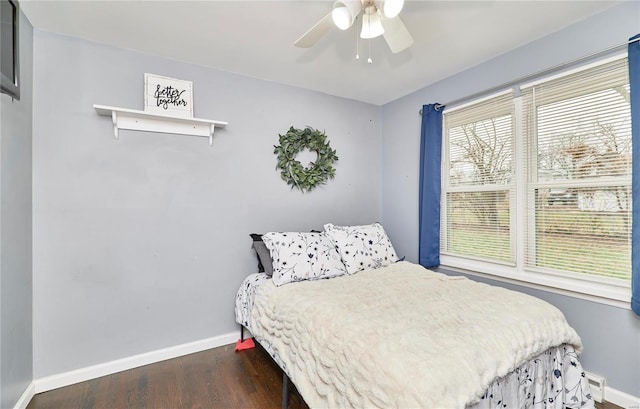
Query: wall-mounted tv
9, 48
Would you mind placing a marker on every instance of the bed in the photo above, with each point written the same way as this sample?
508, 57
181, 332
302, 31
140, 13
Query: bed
394, 334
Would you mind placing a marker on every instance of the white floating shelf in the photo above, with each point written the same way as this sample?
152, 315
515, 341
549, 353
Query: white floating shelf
144, 121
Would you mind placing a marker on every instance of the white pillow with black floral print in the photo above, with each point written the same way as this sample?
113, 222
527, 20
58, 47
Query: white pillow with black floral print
362, 247
302, 256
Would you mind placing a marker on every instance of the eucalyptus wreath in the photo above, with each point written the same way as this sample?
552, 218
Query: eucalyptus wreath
292, 171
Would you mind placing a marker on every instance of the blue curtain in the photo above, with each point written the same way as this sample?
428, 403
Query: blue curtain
634, 81
430, 187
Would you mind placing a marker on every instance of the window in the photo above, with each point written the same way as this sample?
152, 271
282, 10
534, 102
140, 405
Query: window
538, 186
480, 180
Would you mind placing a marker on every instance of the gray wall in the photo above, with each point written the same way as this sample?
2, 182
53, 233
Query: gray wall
611, 335
15, 231
141, 243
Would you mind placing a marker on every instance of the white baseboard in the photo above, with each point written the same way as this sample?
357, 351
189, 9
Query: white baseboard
91, 372
26, 397
621, 399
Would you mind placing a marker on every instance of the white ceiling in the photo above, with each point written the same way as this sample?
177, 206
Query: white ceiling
255, 38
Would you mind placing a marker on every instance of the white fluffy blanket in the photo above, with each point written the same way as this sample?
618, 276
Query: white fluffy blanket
402, 336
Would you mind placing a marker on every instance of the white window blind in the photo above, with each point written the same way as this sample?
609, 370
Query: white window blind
537, 187
479, 181
578, 130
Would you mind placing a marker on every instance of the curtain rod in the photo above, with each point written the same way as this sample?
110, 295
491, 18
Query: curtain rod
533, 76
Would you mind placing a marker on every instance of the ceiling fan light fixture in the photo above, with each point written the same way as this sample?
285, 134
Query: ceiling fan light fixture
371, 26
345, 12
390, 8
341, 18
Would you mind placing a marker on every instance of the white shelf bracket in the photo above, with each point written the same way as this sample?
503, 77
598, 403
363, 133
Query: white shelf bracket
114, 118
211, 132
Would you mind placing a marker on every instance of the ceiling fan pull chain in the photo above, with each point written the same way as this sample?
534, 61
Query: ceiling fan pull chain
357, 40
369, 60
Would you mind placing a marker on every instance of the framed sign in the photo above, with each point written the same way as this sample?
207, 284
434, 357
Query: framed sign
168, 96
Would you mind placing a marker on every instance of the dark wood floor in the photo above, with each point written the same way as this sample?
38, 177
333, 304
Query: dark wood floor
216, 378
607, 405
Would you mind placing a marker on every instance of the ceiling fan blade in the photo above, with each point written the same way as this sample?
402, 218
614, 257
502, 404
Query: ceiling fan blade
316, 32
396, 34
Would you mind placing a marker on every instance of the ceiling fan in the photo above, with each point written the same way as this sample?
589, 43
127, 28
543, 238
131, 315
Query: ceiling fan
379, 17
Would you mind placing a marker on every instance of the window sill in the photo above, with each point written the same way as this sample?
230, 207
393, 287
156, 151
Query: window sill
601, 291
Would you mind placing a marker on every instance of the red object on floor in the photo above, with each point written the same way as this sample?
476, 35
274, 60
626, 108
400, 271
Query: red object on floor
246, 344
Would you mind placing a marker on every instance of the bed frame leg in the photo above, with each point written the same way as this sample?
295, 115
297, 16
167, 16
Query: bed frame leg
241, 333
285, 390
